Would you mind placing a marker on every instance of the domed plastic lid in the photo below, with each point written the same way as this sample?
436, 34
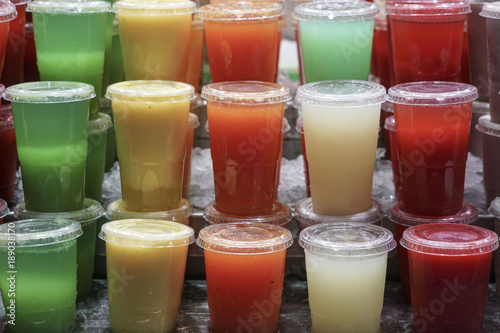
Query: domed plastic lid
242, 11
244, 238
7, 11
494, 208
467, 215
424, 8
491, 10
480, 107
4, 208
193, 121
432, 93
154, 91
75, 7
486, 126
299, 125
388, 107
49, 92
449, 239
91, 210
101, 124
154, 7
280, 214
39, 232
342, 93
305, 214
147, 233
336, 11
246, 92
6, 120
117, 210
347, 239
390, 123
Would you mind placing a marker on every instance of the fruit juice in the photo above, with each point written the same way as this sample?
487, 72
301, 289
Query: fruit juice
70, 45
244, 48
110, 136
193, 123
490, 12
145, 276
155, 38
9, 157
381, 48
116, 73
13, 70
151, 123
7, 14
196, 54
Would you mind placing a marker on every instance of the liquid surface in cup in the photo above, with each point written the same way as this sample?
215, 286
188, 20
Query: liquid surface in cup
9, 156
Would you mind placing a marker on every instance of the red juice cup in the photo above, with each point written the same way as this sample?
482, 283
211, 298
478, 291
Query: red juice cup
449, 275
491, 156
242, 40
390, 129
8, 152
494, 210
478, 53
4, 210
299, 126
245, 266
491, 12
7, 14
193, 124
432, 132
13, 70
381, 49
479, 109
427, 39
403, 220
246, 120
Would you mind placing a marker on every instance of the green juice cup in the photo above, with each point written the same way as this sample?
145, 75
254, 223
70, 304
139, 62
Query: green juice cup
50, 122
38, 274
87, 217
111, 140
70, 42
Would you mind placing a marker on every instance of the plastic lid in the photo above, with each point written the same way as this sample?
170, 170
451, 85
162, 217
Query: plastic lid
197, 102
424, 9
347, 239
491, 10
20, 2
147, 233
6, 120
7, 11
154, 91
388, 107
299, 125
432, 93
390, 124
381, 22
305, 214
245, 238
486, 126
494, 208
280, 214
4, 208
76, 7
117, 210
246, 92
154, 7
101, 124
91, 210
193, 121
480, 107
197, 22
242, 11
342, 93
336, 11
449, 239
39, 232
49, 92
467, 215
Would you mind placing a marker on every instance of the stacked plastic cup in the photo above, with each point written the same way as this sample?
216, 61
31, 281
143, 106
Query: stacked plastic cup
491, 11
478, 55
390, 129
479, 109
193, 124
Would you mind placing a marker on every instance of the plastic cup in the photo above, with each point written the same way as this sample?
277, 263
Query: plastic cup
336, 39
116, 72
491, 156
31, 73
449, 271
193, 124
108, 50
299, 126
50, 122
151, 124
494, 210
479, 109
96, 155
245, 266
146, 260
43, 274
432, 132
70, 42
390, 127
403, 220
478, 54
7, 14
242, 40
111, 138
346, 267
13, 70
341, 124
427, 39
491, 11
8, 152
87, 217
196, 52
245, 130
381, 49
155, 38
4, 210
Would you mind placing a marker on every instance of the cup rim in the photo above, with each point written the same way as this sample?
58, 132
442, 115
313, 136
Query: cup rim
432, 93
74, 7
242, 11
246, 92
8, 11
46, 92
390, 123
4, 208
423, 10
494, 208
153, 7
6, 120
117, 210
101, 124
336, 11
279, 215
193, 121
486, 126
491, 10
150, 91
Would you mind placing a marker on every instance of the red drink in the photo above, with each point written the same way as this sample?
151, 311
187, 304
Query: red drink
8, 155
432, 132
381, 50
449, 275
13, 71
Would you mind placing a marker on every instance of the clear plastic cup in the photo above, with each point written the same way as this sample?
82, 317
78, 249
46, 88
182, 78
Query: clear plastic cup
427, 38
42, 274
299, 126
7, 14
242, 40
494, 210
111, 138
341, 124
245, 266
432, 131
31, 72
51, 127
449, 271
13, 69
4, 210
8, 152
151, 124
196, 52
403, 220
146, 260
478, 53
381, 50
491, 11
246, 120
491, 156
346, 267
87, 217
155, 38
193, 124
280, 214
336, 39
390, 128
479, 109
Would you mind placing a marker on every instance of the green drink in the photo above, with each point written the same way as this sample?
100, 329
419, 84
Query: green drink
87, 217
336, 39
70, 42
116, 72
96, 155
38, 274
50, 122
